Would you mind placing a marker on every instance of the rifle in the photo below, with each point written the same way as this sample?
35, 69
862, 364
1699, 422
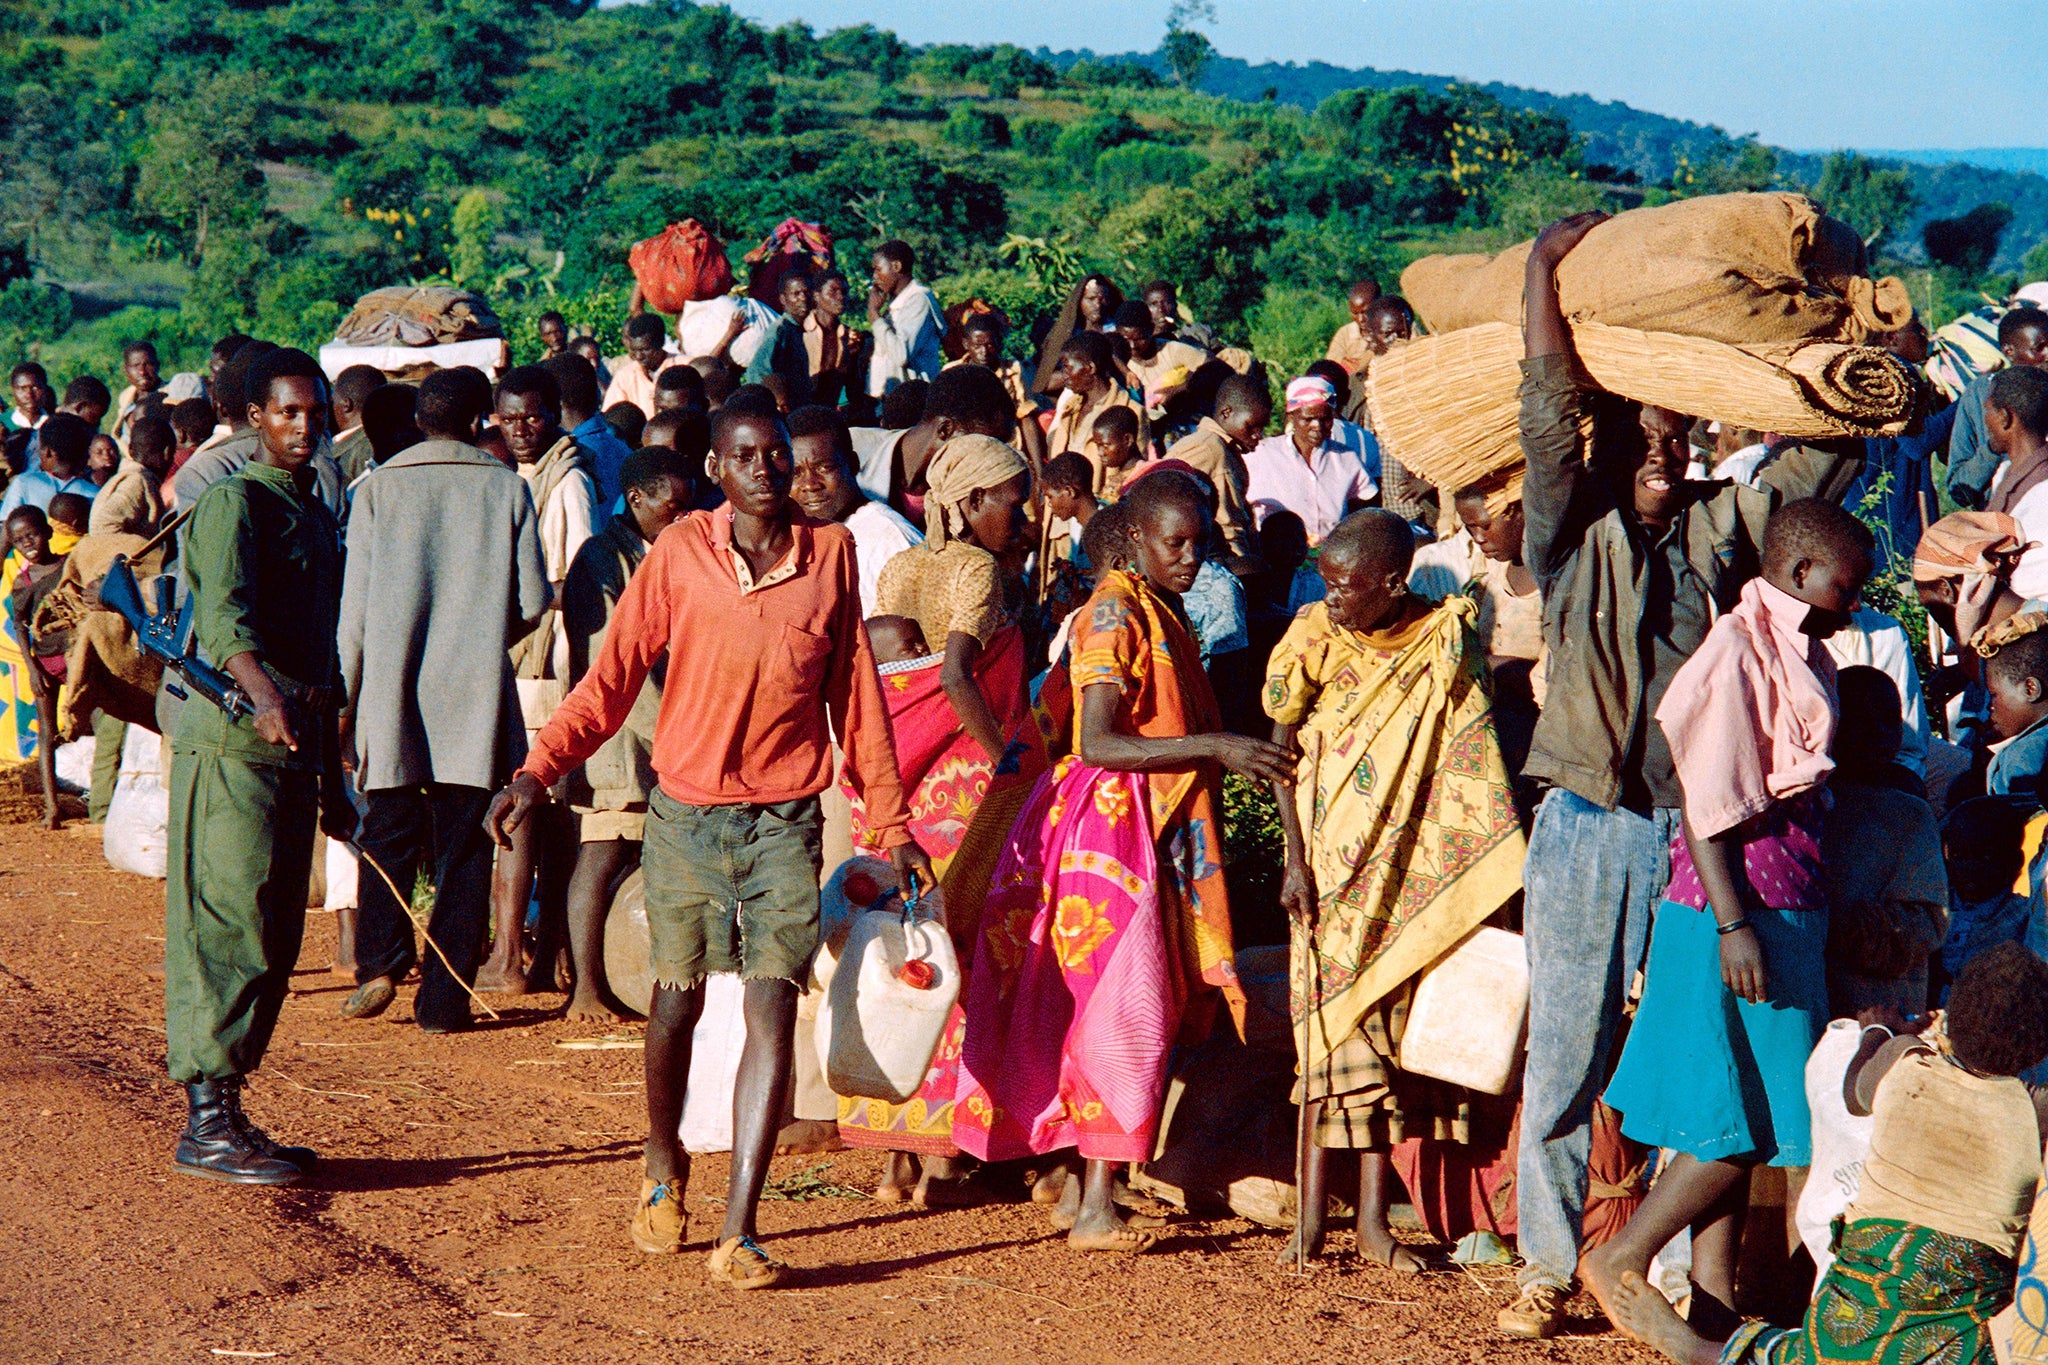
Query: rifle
166, 633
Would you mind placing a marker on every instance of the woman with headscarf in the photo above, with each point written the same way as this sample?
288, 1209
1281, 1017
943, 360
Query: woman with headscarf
1303, 470
955, 713
1090, 307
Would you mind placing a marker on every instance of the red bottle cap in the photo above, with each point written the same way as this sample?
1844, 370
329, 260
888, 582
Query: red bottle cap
917, 974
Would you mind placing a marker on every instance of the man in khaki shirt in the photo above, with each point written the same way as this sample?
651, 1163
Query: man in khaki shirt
1351, 345
1217, 447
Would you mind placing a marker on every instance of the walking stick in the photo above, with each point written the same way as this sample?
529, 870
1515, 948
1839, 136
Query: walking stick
405, 902
1301, 1128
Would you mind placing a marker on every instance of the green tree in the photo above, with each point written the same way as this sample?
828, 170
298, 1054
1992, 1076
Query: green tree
970, 125
475, 239
1204, 236
863, 47
1967, 245
1186, 48
1869, 198
2034, 265
198, 168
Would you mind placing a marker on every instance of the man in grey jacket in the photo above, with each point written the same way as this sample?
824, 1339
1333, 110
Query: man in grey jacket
444, 573
1634, 563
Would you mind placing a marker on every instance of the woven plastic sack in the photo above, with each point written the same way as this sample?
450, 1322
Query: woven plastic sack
685, 264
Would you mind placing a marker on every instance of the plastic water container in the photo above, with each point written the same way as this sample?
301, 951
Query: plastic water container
886, 994
136, 837
1470, 1015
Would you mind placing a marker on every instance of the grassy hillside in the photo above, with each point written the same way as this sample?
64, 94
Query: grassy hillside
174, 170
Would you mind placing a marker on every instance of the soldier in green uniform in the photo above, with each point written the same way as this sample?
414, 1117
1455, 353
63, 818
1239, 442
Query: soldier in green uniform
262, 562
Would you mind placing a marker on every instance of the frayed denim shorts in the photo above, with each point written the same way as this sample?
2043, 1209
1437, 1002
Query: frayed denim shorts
731, 889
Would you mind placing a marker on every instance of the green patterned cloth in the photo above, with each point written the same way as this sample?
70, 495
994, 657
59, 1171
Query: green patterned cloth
1896, 1295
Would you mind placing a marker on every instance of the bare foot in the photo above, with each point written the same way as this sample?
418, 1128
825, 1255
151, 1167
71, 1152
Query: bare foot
1048, 1188
806, 1136
1381, 1248
1643, 1313
1600, 1271
1066, 1211
936, 1191
501, 976
1290, 1255
586, 1010
898, 1180
1106, 1232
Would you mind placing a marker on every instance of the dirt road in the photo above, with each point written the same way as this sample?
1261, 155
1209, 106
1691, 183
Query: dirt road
474, 1194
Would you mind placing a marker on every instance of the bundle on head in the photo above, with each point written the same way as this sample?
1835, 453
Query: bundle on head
1742, 268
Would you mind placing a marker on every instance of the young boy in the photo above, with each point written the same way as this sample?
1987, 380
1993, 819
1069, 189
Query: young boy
898, 642
37, 566
192, 421
70, 519
782, 351
1069, 506
2015, 654
1348, 346
609, 792
1735, 992
102, 458
29, 384
139, 363
981, 340
646, 357
1160, 370
61, 445
351, 448
759, 612
1216, 448
1599, 851
1383, 694
1113, 448
1887, 889
134, 500
1982, 844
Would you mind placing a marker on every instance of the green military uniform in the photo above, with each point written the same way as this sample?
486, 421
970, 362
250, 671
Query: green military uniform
263, 563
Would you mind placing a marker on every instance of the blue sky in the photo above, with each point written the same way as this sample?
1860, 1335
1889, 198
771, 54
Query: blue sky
1804, 74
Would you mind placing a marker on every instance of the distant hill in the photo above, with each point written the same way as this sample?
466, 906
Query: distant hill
1946, 183
2033, 159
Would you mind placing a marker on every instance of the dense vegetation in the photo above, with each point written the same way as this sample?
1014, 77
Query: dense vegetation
171, 169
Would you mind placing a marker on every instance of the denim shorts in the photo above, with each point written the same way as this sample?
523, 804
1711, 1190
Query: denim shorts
731, 889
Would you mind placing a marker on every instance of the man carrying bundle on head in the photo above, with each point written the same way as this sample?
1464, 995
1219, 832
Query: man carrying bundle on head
1634, 564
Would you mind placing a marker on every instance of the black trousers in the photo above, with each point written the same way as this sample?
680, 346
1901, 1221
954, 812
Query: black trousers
405, 829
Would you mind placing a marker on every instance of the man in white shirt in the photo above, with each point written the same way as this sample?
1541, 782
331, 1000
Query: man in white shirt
823, 484
1302, 471
2016, 426
908, 324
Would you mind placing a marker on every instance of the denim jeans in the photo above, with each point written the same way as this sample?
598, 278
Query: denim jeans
1592, 879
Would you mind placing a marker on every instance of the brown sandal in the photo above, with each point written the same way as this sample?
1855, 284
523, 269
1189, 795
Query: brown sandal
741, 1263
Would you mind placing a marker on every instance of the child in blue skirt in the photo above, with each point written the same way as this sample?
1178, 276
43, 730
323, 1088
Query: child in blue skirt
1735, 994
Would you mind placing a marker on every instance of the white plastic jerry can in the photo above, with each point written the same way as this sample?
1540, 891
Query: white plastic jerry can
887, 994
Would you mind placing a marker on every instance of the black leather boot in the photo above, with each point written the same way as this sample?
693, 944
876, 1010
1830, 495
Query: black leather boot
214, 1147
301, 1157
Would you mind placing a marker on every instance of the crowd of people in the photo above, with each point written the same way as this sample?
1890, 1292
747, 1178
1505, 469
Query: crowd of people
1006, 624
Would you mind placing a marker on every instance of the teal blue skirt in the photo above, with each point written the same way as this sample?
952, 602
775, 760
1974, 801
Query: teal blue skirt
1705, 1072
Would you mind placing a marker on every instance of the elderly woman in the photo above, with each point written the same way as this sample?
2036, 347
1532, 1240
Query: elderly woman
954, 713
1303, 471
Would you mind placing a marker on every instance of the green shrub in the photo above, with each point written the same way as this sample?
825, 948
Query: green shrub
1133, 167
1034, 135
971, 125
1291, 327
1083, 142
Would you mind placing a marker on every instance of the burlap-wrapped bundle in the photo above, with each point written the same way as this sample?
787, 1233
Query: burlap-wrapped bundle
421, 315
105, 669
1447, 405
1747, 269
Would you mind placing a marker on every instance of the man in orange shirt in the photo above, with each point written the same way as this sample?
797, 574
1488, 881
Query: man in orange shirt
758, 610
